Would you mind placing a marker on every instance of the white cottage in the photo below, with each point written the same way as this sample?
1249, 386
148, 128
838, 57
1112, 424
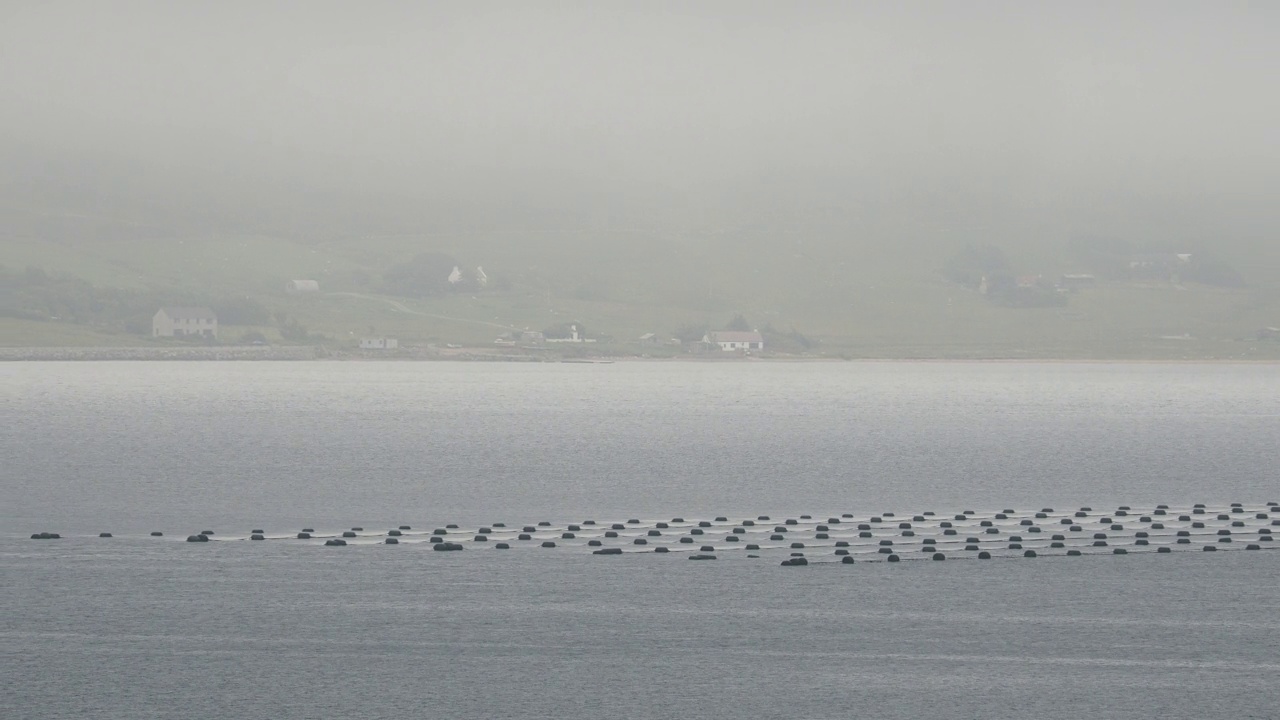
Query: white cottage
731, 340
183, 321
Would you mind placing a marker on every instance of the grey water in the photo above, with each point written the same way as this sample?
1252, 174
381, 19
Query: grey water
135, 626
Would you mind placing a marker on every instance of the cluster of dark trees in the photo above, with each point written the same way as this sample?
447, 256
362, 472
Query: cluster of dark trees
423, 275
785, 340
293, 330
427, 274
33, 294
1119, 259
1106, 258
978, 264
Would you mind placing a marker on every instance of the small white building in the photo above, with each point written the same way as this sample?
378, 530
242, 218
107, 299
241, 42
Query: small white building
299, 287
574, 337
732, 340
381, 343
182, 321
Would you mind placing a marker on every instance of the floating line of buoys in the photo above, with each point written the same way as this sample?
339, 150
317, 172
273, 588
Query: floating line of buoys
844, 537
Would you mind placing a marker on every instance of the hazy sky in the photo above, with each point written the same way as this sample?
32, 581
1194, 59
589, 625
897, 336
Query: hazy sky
698, 109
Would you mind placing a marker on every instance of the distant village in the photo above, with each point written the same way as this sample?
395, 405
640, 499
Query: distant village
730, 341
1160, 267
201, 323
243, 321
982, 269
985, 269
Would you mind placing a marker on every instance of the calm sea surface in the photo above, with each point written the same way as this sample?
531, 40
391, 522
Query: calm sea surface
136, 626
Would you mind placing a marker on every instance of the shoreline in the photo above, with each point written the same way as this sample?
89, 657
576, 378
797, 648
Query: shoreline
300, 353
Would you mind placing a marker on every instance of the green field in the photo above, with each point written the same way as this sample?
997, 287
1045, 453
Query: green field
869, 298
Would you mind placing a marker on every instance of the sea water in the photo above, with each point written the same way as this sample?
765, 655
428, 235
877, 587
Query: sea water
137, 626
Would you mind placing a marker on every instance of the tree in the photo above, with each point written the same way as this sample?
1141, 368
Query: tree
293, 330
426, 274
778, 340
738, 323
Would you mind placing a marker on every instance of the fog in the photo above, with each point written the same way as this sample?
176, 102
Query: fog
284, 117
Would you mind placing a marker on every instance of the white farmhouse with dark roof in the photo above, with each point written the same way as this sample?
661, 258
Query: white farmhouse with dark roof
183, 321
730, 340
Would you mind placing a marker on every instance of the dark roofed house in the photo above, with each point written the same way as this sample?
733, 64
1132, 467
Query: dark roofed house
731, 340
183, 321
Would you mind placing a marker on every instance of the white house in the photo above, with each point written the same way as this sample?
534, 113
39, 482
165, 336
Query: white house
731, 340
381, 343
183, 321
297, 287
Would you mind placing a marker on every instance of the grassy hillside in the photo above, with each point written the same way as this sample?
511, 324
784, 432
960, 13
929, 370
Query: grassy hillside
855, 293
